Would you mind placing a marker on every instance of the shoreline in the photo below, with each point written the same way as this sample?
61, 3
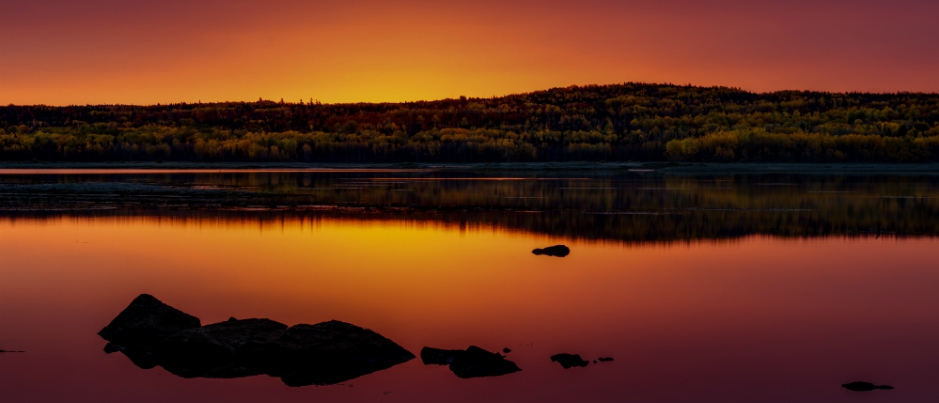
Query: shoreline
653, 167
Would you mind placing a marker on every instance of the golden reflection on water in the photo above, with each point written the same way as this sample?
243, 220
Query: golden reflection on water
755, 318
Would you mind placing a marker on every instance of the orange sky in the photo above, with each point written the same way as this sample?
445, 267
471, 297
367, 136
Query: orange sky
133, 51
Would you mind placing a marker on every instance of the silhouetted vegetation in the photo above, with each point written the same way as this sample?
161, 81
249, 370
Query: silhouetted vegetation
613, 122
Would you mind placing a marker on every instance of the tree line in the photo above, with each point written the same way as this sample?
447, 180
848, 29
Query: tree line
631, 121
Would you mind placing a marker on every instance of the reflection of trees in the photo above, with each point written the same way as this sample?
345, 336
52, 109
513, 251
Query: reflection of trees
615, 208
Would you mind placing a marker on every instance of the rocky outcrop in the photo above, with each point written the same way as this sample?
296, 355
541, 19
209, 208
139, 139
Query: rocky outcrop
474, 362
330, 352
320, 354
569, 360
556, 251
221, 350
145, 322
864, 387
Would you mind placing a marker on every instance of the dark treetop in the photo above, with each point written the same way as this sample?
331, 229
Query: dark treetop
613, 122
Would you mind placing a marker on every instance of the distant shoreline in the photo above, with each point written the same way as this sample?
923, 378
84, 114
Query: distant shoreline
661, 167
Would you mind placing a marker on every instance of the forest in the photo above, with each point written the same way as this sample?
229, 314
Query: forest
623, 122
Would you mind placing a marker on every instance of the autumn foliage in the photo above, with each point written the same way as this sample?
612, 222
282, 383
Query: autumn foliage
613, 122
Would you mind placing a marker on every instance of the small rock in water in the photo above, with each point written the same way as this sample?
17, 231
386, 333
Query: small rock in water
477, 362
605, 359
569, 360
473, 362
556, 251
506, 350
864, 386
430, 355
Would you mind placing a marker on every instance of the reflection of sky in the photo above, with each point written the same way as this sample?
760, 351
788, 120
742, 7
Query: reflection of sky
110, 51
760, 320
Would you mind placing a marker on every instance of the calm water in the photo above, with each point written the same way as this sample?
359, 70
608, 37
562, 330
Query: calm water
769, 288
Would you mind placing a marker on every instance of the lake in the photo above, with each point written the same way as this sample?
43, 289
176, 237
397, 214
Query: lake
769, 287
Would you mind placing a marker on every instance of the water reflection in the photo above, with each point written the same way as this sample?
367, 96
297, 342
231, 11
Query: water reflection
805, 299
619, 207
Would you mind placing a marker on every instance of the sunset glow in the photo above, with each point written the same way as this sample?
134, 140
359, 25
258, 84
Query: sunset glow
142, 52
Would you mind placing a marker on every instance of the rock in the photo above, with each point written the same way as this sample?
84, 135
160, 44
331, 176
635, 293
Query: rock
438, 356
864, 386
338, 339
329, 353
113, 348
231, 336
473, 362
569, 360
506, 350
226, 349
556, 250
145, 322
476, 362
151, 333
605, 359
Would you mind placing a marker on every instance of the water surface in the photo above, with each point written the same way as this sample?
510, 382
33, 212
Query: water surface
713, 289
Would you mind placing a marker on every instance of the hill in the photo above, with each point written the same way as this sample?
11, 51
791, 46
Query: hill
628, 122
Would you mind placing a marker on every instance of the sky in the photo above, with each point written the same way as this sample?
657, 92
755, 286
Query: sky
63, 52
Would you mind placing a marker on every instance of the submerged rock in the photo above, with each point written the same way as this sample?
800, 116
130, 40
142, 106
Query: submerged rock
151, 334
556, 251
605, 359
145, 322
864, 386
569, 360
474, 362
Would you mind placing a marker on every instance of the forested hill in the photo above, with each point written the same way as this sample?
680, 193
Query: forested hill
612, 122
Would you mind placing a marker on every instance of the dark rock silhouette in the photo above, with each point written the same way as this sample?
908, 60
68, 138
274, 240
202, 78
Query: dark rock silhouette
569, 360
474, 362
145, 322
477, 362
320, 354
556, 251
330, 352
864, 386
11, 351
506, 350
215, 350
605, 359
438, 356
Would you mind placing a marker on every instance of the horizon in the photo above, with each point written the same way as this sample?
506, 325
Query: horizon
313, 101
